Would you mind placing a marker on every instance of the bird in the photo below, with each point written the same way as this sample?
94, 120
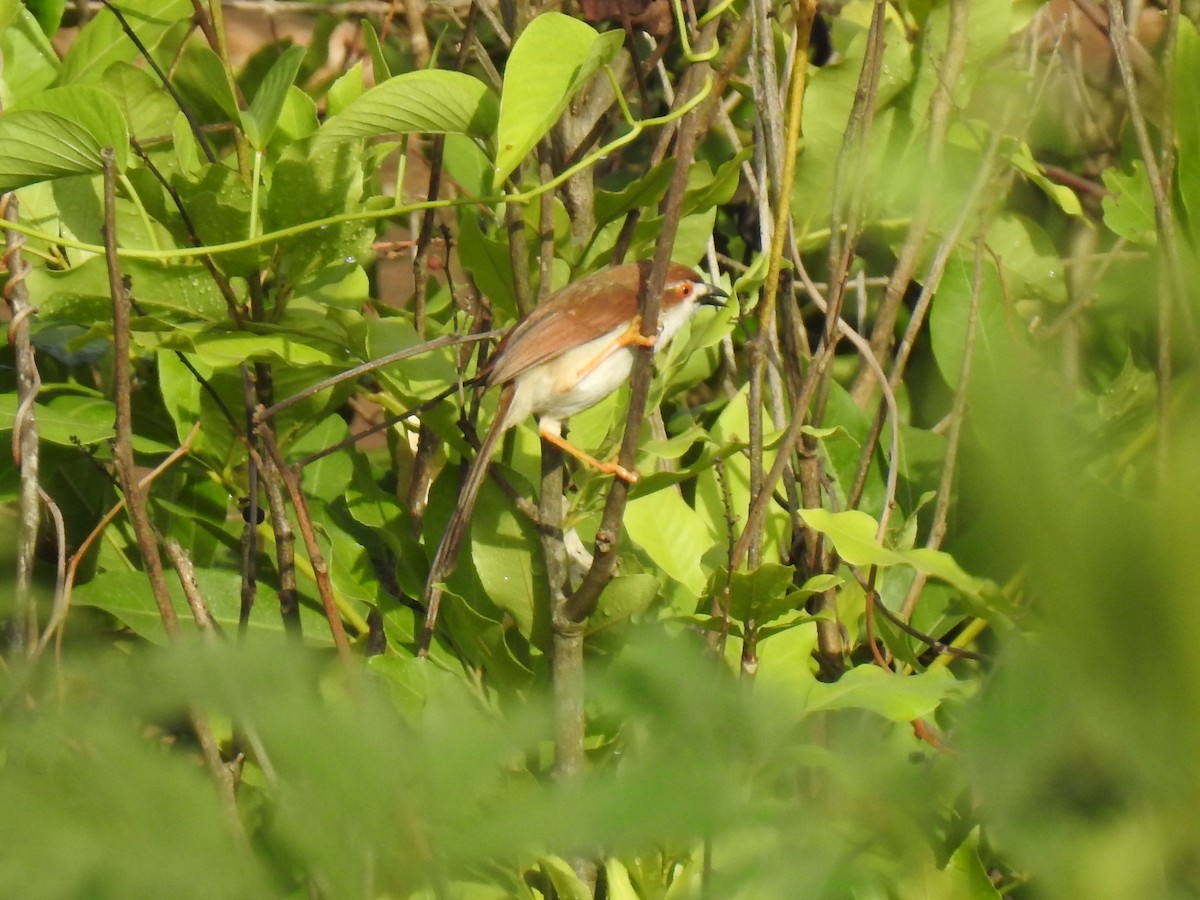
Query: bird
565, 356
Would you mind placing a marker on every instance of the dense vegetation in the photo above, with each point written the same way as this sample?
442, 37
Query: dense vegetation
902, 604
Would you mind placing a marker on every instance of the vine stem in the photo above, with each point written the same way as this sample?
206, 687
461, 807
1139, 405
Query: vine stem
373, 215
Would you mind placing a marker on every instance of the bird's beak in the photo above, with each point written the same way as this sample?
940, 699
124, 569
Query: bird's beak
711, 295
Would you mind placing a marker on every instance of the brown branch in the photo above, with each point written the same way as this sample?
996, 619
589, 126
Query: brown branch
135, 493
291, 481
186, 573
583, 600
250, 512
24, 628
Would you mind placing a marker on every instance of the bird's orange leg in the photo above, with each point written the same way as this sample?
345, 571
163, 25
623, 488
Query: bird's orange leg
630, 337
608, 468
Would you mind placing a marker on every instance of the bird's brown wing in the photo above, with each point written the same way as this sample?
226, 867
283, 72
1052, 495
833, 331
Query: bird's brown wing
580, 312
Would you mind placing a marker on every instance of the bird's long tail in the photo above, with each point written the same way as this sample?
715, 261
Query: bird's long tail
446, 557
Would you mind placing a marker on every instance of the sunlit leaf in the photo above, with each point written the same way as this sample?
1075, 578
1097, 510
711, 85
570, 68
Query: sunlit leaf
552, 59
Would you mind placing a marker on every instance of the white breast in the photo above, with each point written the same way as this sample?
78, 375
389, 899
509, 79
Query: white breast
554, 390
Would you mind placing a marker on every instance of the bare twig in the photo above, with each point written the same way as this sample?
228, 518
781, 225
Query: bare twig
291, 481
941, 509
135, 493
24, 627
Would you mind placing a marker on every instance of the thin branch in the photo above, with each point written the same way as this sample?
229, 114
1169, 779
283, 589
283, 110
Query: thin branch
291, 481
583, 600
135, 493
941, 509
24, 628
449, 340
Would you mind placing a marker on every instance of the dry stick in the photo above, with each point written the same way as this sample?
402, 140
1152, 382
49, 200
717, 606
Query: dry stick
449, 340
803, 11
24, 629
291, 481
414, 11
249, 541
135, 494
941, 509
1172, 290
136, 491
191, 591
940, 106
818, 555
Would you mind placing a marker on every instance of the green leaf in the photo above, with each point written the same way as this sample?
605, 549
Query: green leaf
260, 119
103, 42
326, 182
231, 350
23, 39
566, 883
1187, 121
552, 59
676, 549
378, 61
60, 132
1129, 206
949, 317
297, 119
707, 189
624, 596
853, 536
900, 698
66, 419
750, 593
1066, 199
640, 193
148, 110
430, 101
507, 559
939, 564
218, 205
348, 88
48, 14
127, 597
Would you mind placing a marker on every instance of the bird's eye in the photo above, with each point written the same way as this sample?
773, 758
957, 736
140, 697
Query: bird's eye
685, 290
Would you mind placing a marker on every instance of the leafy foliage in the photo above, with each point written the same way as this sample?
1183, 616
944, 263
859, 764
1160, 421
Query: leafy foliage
917, 640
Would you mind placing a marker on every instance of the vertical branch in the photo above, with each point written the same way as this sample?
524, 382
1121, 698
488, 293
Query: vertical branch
135, 493
23, 631
583, 599
518, 254
941, 509
250, 512
291, 481
1172, 288
566, 659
